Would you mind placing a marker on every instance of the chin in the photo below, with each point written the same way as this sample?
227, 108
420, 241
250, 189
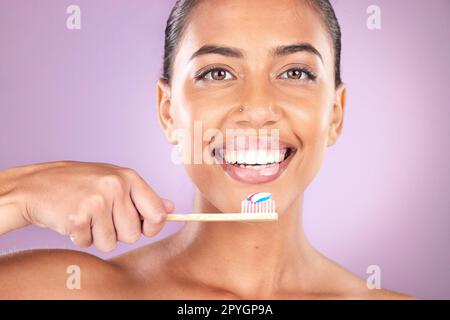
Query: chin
226, 185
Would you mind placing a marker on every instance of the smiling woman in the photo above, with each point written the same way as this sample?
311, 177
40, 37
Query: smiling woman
245, 66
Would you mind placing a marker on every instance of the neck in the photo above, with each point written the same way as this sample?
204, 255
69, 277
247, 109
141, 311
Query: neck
259, 258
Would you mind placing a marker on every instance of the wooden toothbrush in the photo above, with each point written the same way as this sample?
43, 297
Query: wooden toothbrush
256, 207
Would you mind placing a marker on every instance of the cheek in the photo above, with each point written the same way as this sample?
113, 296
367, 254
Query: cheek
200, 176
313, 127
211, 185
200, 113
197, 125
308, 113
313, 137
200, 103
207, 97
309, 122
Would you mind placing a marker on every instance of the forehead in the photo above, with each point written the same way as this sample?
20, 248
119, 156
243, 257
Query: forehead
255, 26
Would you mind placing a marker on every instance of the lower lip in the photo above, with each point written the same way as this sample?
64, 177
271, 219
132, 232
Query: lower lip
259, 175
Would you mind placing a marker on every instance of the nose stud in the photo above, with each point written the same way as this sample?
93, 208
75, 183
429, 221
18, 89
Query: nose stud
241, 109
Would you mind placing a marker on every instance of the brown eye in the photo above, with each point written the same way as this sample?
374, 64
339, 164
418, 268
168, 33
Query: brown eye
297, 74
218, 74
215, 74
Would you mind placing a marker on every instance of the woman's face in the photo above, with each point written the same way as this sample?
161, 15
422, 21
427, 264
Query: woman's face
276, 72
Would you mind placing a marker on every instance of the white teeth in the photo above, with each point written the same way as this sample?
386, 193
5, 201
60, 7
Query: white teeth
262, 157
250, 156
271, 157
240, 158
233, 157
277, 156
253, 157
282, 154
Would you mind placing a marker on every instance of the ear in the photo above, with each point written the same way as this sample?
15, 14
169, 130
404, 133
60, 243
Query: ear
337, 115
163, 97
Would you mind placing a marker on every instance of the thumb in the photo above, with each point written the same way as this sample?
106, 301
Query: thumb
168, 205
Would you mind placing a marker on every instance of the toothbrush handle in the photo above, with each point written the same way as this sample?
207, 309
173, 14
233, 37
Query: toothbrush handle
271, 216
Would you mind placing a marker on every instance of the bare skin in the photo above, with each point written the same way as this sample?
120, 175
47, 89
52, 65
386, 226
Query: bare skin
233, 260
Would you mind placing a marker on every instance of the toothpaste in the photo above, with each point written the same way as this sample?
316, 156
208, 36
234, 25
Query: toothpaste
258, 197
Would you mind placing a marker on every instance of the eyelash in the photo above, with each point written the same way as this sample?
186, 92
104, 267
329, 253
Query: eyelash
203, 74
311, 76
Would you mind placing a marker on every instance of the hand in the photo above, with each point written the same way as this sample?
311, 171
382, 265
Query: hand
93, 203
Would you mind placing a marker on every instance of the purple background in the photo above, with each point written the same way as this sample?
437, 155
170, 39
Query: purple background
382, 196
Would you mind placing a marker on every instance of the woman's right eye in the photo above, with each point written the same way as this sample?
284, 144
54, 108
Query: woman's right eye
214, 74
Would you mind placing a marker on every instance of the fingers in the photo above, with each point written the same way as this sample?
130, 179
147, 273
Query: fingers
168, 205
80, 223
150, 206
149, 228
114, 210
104, 233
126, 220
102, 227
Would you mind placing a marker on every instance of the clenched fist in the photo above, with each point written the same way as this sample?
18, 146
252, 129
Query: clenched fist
93, 203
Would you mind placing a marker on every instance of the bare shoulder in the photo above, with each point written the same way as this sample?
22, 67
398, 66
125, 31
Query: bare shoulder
359, 290
340, 283
58, 274
156, 275
149, 274
155, 278
384, 294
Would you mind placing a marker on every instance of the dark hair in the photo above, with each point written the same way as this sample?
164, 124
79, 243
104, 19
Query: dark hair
179, 15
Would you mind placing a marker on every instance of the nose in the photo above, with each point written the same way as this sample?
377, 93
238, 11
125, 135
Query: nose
258, 108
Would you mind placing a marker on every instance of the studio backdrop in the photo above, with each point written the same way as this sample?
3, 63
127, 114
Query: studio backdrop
85, 90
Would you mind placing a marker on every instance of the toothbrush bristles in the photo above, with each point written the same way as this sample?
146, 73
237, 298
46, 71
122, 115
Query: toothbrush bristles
259, 207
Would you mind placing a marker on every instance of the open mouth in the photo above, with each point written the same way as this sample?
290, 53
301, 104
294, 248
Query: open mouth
249, 165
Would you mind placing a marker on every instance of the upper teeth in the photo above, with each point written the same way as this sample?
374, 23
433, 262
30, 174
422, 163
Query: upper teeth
260, 156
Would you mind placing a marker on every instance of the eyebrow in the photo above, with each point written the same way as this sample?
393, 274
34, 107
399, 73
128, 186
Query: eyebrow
277, 51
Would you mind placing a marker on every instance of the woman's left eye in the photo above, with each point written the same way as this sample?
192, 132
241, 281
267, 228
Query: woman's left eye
298, 74
216, 74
